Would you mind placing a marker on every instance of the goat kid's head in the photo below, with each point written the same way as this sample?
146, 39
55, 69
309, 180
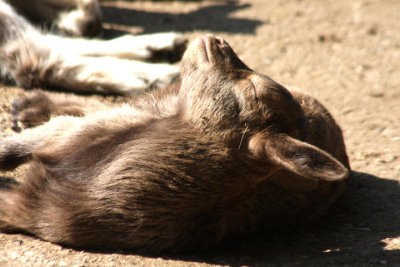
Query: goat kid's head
224, 98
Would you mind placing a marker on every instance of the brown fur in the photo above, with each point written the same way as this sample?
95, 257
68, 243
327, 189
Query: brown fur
223, 152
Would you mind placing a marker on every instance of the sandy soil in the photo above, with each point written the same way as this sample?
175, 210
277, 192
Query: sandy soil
345, 53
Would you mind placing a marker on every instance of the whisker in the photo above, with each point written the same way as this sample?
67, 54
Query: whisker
241, 140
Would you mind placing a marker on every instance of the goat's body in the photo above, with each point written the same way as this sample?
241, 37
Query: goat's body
144, 193
145, 180
144, 176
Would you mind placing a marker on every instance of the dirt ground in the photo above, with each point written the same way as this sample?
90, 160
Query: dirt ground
346, 54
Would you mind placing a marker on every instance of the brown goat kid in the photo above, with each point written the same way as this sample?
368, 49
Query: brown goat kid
225, 151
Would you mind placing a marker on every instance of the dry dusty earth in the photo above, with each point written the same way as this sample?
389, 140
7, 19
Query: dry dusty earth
345, 53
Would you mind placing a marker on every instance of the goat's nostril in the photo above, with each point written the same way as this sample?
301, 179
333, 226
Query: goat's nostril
219, 40
92, 28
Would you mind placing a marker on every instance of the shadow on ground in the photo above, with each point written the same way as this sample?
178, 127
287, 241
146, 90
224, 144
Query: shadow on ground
7, 182
211, 18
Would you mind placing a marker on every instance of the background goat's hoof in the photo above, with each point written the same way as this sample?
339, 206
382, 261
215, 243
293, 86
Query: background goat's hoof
30, 110
170, 48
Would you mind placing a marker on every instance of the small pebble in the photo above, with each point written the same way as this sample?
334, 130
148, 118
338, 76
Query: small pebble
18, 242
62, 263
14, 255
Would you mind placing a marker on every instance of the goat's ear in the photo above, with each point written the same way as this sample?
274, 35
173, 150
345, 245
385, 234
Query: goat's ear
299, 157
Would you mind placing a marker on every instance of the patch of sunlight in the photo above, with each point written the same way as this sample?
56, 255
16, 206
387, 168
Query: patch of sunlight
392, 243
330, 250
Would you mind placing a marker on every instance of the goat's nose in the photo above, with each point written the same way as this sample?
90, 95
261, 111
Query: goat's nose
219, 40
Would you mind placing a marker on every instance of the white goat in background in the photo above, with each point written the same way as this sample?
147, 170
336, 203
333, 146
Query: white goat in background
34, 58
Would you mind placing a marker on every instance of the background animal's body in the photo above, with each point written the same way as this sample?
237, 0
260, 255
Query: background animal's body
169, 172
124, 65
74, 17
